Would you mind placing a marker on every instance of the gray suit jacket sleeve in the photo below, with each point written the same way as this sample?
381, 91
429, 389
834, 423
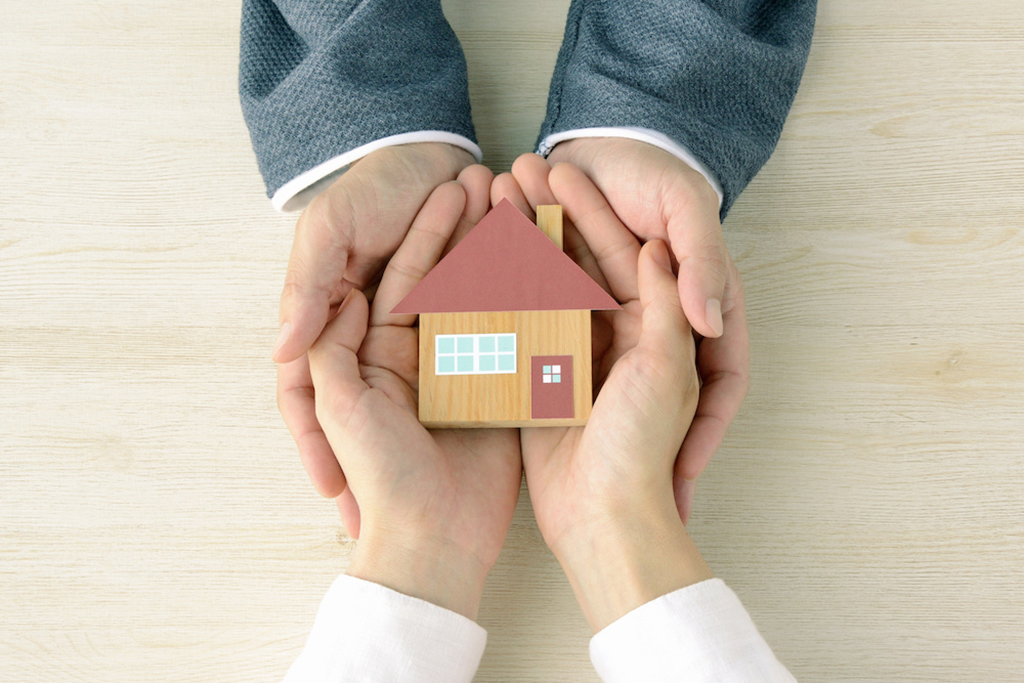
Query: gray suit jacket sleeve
318, 78
716, 76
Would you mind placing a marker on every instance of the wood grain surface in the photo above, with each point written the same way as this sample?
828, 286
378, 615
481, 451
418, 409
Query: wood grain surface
867, 506
504, 400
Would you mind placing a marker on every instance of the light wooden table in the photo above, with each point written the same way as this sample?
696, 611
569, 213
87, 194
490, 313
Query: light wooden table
155, 522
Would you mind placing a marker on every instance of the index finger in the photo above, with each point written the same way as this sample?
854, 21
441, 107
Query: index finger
531, 172
295, 400
613, 245
418, 253
314, 281
724, 366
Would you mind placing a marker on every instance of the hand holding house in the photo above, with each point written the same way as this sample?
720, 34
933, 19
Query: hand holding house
504, 327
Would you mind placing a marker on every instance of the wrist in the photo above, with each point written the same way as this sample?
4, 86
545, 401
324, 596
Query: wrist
460, 156
588, 152
621, 559
441, 155
421, 566
575, 150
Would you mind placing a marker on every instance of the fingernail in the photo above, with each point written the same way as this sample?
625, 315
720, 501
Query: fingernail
346, 300
282, 337
660, 253
713, 316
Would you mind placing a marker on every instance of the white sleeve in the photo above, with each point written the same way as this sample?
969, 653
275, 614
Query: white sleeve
299, 191
697, 633
366, 632
651, 137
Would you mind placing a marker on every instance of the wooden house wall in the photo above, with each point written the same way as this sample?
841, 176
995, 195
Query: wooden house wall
503, 399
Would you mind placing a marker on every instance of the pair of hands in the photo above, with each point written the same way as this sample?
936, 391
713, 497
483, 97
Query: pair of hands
434, 507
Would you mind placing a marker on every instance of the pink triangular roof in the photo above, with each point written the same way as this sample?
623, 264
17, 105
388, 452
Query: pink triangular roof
505, 263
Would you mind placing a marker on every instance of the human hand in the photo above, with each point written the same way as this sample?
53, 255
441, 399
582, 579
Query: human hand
603, 494
433, 506
341, 241
657, 196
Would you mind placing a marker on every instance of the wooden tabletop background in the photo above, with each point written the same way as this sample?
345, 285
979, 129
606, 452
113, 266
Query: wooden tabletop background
155, 521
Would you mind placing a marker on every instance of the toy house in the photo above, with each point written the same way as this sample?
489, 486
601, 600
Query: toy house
504, 327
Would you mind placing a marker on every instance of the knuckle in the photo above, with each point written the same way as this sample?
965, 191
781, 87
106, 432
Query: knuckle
409, 270
710, 263
288, 408
296, 290
328, 404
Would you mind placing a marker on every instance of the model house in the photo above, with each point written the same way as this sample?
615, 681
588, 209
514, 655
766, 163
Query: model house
504, 327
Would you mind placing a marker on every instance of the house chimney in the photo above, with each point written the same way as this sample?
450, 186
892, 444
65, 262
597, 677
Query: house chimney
549, 220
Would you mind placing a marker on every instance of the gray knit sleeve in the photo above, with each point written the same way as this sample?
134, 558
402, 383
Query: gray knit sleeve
716, 76
318, 78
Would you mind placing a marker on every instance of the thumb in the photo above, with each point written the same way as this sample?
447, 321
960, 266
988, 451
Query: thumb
333, 361
696, 236
314, 280
664, 330
666, 342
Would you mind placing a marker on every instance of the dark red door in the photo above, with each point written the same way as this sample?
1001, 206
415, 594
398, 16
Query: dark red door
551, 387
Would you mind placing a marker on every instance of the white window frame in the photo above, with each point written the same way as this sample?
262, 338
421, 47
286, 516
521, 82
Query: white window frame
551, 374
476, 353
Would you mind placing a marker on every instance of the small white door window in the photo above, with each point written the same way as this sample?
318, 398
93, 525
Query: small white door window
552, 374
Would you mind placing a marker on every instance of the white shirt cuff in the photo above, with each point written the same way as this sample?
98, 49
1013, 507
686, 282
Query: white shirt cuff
366, 632
299, 191
651, 137
697, 633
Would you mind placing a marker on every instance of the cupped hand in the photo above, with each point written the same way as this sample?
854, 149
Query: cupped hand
342, 240
627, 450
603, 494
433, 506
644, 364
657, 196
